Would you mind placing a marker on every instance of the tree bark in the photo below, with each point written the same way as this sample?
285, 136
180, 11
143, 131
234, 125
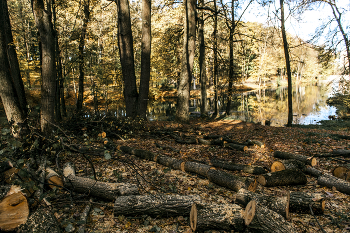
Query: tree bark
202, 62
198, 168
278, 204
289, 74
261, 219
300, 202
231, 71
86, 10
48, 69
331, 181
219, 217
255, 170
287, 164
104, 190
126, 52
163, 205
215, 64
145, 58
285, 155
191, 11
8, 92
282, 178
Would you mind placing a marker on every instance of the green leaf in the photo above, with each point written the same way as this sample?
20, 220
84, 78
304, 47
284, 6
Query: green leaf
107, 155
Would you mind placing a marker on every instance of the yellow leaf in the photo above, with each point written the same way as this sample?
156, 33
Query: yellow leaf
104, 134
128, 224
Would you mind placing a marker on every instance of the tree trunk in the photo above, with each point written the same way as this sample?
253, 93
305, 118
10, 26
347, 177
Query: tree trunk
202, 63
331, 181
220, 217
163, 205
183, 92
287, 164
48, 69
231, 71
285, 155
8, 93
215, 54
282, 178
289, 74
13, 61
145, 58
191, 14
126, 51
81, 55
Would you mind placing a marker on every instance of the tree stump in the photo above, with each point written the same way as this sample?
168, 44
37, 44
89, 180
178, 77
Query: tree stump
261, 219
287, 164
163, 205
300, 203
278, 204
285, 155
14, 208
219, 217
282, 178
105, 190
230, 181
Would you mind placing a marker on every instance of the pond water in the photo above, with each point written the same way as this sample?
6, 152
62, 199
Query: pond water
309, 105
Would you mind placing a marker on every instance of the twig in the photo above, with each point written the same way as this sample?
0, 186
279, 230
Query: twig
84, 216
312, 213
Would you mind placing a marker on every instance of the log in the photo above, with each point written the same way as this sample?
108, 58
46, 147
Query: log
169, 162
278, 204
230, 181
331, 181
198, 168
216, 142
287, 164
261, 219
255, 170
219, 217
236, 147
256, 143
42, 220
83, 218
313, 172
300, 203
14, 210
53, 179
282, 178
163, 205
285, 155
142, 154
342, 173
105, 190
343, 153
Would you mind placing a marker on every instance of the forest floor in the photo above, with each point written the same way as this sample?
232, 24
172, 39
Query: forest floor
154, 178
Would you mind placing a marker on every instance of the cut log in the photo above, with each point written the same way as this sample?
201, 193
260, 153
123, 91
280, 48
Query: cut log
216, 142
230, 181
42, 220
169, 162
53, 179
256, 143
219, 217
105, 190
313, 172
287, 164
282, 178
278, 204
331, 181
142, 154
14, 208
198, 168
300, 202
4, 166
285, 155
261, 219
235, 147
255, 170
342, 173
163, 205
343, 153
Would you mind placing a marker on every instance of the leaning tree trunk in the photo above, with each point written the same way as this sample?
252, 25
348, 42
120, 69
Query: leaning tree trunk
289, 74
48, 68
13, 61
8, 94
81, 55
145, 58
126, 52
202, 63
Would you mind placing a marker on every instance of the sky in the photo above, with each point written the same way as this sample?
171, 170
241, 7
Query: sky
310, 20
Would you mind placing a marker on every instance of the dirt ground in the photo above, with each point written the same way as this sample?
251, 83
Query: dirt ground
154, 178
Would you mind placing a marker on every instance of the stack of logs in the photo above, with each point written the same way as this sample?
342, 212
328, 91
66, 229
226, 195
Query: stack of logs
258, 212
